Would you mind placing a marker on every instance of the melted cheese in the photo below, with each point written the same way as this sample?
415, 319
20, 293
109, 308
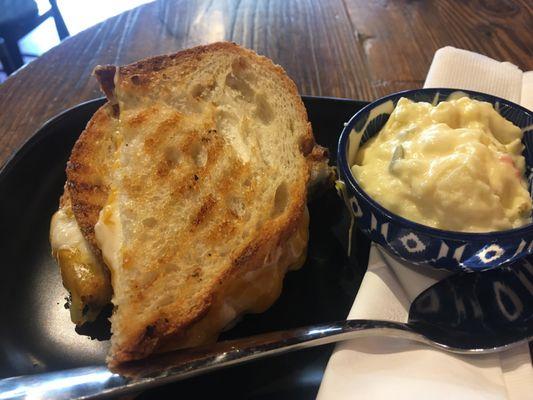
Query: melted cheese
83, 274
108, 233
456, 166
66, 235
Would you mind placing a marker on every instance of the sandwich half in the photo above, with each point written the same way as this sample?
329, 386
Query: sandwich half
190, 185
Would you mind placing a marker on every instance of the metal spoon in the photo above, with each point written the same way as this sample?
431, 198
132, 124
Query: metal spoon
466, 314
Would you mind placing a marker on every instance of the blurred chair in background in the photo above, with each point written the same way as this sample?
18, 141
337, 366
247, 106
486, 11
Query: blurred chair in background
5, 58
17, 19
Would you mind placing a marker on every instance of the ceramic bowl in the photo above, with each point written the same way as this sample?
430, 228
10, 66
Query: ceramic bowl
414, 242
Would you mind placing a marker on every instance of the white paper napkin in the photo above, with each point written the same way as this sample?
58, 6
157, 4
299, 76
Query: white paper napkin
381, 368
463, 69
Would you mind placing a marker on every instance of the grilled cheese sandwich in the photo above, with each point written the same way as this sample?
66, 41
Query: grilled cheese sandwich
191, 185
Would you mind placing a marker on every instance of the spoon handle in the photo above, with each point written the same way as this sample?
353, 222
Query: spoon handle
98, 381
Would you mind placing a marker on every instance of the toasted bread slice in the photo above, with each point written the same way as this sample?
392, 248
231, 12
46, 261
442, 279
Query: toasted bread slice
207, 205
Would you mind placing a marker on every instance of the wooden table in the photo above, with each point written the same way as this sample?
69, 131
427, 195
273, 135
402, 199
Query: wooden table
360, 49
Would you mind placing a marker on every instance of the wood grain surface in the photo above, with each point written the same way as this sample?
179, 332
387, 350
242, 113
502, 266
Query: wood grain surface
360, 49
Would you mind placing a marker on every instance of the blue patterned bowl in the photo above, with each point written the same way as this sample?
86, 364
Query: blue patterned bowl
420, 244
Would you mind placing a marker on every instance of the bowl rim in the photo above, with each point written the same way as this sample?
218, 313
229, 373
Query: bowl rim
346, 173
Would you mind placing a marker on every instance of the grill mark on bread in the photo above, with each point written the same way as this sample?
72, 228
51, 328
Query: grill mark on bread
191, 177
140, 118
184, 189
132, 186
90, 198
163, 168
88, 171
155, 138
86, 207
207, 207
84, 186
227, 224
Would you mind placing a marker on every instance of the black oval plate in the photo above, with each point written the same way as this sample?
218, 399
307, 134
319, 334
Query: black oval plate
36, 334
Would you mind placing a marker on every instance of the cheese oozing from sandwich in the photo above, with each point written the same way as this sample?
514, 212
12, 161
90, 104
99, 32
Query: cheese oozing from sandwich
191, 186
83, 273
